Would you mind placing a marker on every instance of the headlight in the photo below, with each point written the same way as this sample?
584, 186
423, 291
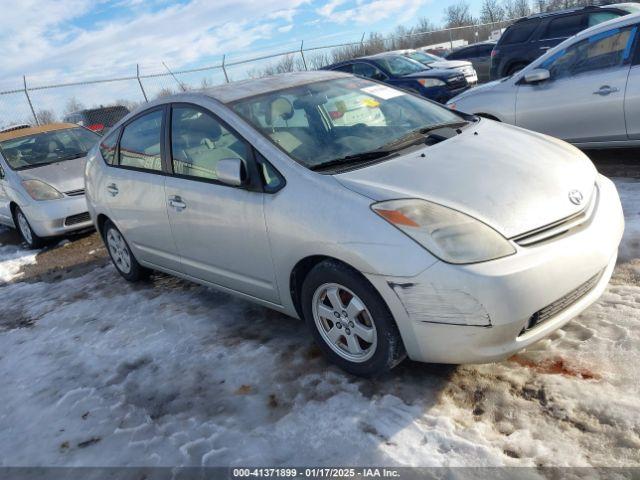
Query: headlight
431, 82
450, 235
40, 190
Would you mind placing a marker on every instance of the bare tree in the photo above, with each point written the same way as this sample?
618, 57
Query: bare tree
491, 12
516, 8
458, 15
73, 105
46, 116
164, 92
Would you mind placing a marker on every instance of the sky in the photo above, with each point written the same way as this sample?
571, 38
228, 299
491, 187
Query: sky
92, 37
61, 41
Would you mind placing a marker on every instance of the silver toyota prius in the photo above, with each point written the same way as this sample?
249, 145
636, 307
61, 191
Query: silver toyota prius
391, 225
42, 180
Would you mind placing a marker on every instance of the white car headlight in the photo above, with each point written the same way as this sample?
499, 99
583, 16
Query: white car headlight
41, 191
431, 82
448, 234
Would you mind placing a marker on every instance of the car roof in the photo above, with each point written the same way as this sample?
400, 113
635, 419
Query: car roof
25, 132
230, 92
566, 11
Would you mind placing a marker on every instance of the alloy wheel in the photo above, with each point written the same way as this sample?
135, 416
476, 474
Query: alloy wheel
119, 251
344, 322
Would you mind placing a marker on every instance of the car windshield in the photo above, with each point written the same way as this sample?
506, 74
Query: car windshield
344, 119
422, 57
49, 147
399, 66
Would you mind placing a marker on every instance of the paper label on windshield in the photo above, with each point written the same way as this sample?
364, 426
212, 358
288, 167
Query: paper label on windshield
382, 91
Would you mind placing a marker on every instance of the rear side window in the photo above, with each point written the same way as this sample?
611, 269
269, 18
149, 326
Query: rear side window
108, 148
518, 33
348, 68
564, 27
484, 50
462, 54
140, 143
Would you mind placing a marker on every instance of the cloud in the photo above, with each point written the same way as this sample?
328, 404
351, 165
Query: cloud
363, 13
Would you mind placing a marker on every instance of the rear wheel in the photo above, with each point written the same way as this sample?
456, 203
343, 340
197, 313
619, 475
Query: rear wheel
26, 232
121, 254
349, 320
515, 68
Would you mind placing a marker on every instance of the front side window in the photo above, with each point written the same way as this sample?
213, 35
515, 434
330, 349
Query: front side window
48, 147
140, 142
564, 27
605, 50
344, 117
108, 148
199, 141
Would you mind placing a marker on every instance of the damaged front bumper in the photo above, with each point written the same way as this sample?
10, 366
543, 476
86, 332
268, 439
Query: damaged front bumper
488, 311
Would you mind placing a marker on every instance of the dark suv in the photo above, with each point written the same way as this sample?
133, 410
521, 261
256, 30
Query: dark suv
98, 120
530, 37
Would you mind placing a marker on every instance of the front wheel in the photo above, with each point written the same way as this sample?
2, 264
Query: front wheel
350, 322
26, 232
121, 254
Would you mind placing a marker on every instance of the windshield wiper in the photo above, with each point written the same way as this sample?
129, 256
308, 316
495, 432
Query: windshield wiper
352, 159
417, 135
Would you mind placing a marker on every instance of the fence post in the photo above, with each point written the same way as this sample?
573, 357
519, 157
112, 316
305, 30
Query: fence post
26, 92
144, 94
304, 61
451, 38
362, 47
224, 70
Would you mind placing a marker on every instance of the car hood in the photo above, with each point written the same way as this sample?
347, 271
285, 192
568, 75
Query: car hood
449, 64
472, 91
434, 73
64, 176
512, 179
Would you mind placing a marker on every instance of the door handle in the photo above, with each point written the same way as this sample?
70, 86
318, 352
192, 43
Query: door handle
606, 90
113, 189
177, 203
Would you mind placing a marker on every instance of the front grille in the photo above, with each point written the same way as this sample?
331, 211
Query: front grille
75, 219
75, 193
457, 82
562, 227
561, 304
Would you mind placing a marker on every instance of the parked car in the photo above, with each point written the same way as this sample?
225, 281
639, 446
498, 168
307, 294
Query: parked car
433, 61
479, 54
425, 232
530, 37
98, 120
585, 91
42, 180
404, 73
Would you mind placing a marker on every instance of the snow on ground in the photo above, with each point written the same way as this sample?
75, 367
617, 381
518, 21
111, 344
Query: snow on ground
12, 258
98, 372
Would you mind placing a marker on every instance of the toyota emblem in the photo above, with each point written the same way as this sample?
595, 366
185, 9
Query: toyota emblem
575, 197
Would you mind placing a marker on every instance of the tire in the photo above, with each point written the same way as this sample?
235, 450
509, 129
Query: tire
516, 67
121, 254
26, 232
359, 335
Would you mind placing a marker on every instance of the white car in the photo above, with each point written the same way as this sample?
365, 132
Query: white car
585, 91
442, 236
433, 61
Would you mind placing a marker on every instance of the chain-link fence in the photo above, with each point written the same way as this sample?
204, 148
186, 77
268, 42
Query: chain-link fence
92, 102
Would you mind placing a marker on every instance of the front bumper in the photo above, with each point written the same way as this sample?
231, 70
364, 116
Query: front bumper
58, 217
480, 313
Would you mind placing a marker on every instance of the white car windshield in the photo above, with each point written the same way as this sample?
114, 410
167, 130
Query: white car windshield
48, 147
343, 120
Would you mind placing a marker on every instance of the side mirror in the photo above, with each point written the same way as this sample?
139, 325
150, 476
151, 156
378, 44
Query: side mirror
229, 171
537, 75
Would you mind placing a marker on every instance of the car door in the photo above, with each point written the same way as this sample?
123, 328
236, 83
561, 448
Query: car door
583, 101
220, 230
5, 199
632, 96
134, 190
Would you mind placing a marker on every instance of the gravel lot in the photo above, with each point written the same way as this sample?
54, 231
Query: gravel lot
98, 372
